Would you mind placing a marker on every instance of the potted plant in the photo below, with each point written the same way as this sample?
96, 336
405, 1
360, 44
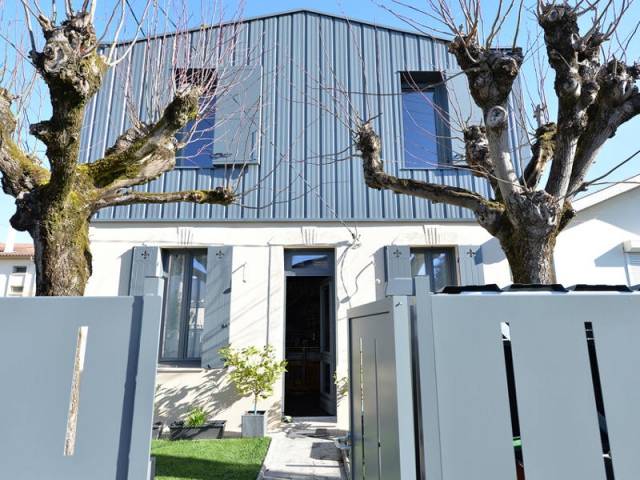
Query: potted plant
254, 372
196, 425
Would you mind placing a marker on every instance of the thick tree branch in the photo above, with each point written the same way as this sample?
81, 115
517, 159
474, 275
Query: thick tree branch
144, 152
542, 151
618, 101
20, 172
575, 61
368, 144
218, 196
491, 73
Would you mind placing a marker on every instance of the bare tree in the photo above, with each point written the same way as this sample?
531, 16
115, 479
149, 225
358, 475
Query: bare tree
56, 198
595, 95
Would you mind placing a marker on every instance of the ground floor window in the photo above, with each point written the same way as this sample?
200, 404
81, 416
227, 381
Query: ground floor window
436, 263
185, 293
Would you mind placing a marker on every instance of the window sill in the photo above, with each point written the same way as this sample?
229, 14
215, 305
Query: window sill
177, 369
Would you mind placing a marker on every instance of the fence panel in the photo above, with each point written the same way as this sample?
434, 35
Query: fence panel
78, 380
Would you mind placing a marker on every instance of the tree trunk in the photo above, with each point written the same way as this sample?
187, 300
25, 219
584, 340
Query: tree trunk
530, 256
62, 255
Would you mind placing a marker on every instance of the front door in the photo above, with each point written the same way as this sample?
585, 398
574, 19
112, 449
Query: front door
310, 334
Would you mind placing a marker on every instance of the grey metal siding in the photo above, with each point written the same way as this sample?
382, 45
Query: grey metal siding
308, 168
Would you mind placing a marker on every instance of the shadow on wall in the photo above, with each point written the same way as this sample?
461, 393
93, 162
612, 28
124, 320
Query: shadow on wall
211, 391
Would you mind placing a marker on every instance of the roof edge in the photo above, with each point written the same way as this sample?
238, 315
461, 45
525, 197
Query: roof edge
281, 14
607, 193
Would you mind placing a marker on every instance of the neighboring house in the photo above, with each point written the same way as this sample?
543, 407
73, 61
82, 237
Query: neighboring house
17, 271
310, 240
602, 244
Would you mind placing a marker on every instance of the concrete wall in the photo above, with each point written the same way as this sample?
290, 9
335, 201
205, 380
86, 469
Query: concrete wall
591, 249
257, 303
7, 278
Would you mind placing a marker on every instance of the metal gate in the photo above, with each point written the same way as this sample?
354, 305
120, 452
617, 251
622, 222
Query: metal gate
381, 392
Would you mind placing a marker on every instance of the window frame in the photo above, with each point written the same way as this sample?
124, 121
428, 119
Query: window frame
452, 262
423, 81
182, 360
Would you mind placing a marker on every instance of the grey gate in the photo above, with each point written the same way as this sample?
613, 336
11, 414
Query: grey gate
78, 380
381, 392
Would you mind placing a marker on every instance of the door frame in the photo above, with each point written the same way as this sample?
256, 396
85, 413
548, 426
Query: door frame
328, 272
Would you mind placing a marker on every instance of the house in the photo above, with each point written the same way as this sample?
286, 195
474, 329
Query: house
308, 240
17, 271
602, 244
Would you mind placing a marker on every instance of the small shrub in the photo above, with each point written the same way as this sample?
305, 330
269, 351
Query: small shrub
196, 418
253, 371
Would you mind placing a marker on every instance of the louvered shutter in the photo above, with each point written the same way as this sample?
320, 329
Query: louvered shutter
471, 266
147, 275
398, 270
215, 332
236, 137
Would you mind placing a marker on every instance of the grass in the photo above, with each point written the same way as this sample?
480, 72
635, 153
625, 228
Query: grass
226, 459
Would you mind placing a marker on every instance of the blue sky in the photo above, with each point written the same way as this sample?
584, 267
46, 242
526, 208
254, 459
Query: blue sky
616, 149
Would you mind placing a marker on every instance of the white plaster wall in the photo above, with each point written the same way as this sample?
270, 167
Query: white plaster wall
257, 302
6, 269
590, 249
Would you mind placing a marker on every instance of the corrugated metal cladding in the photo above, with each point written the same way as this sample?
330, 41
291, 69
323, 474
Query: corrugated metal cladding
308, 168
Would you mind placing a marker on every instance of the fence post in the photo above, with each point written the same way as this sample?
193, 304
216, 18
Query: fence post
430, 456
404, 385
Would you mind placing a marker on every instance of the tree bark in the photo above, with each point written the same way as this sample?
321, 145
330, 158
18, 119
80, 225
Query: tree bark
530, 256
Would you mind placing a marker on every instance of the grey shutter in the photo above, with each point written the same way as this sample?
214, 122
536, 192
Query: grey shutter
471, 266
397, 259
215, 333
147, 274
462, 109
236, 137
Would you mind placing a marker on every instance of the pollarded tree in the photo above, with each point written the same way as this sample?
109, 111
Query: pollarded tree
595, 91
55, 199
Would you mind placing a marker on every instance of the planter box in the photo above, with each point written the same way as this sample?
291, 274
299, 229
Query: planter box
209, 431
254, 424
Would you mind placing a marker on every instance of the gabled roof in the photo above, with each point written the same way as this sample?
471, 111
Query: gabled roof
607, 193
20, 250
293, 11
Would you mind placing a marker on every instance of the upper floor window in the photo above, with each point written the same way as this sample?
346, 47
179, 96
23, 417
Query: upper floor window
228, 130
19, 269
424, 110
198, 134
183, 317
436, 263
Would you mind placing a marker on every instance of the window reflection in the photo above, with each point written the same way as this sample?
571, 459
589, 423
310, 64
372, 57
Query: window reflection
184, 305
437, 264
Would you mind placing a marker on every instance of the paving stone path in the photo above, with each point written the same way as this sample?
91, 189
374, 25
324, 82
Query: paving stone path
302, 453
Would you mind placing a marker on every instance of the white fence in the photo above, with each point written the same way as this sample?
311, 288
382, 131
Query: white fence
78, 380
497, 386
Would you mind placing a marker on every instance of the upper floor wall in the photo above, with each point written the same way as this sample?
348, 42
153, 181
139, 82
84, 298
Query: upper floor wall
314, 72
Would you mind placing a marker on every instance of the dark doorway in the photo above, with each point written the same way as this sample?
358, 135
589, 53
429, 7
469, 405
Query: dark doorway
310, 336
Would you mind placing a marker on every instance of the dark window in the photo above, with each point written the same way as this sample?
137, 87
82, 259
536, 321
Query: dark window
184, 299
19, 269
436, 263
198, 152
424, 112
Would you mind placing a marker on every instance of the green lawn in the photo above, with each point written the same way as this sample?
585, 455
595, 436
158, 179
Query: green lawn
226, 459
